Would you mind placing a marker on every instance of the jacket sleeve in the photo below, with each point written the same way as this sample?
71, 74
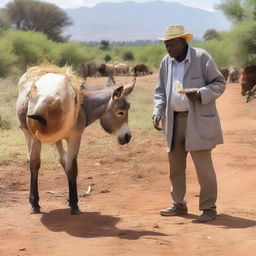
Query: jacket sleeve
160, 94
216, 83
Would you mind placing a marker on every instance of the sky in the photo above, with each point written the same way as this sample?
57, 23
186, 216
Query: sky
70, 4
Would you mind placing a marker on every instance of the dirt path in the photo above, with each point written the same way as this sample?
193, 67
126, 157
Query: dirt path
130, 185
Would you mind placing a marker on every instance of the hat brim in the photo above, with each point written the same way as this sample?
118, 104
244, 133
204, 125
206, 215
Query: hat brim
187, 36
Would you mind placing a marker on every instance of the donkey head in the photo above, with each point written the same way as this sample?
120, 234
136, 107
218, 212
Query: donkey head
115, 120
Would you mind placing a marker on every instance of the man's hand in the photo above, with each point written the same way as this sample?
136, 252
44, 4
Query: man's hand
156, 120
194, 96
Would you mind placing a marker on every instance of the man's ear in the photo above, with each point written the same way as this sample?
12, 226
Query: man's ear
117, 93
129, 87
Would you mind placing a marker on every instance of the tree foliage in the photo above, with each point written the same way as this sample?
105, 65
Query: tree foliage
211, 34
238, 10
104, 45
38, 16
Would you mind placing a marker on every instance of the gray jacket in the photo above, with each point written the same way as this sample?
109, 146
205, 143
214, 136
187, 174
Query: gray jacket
203, 124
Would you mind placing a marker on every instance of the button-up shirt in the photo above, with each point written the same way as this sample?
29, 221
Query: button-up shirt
179, 101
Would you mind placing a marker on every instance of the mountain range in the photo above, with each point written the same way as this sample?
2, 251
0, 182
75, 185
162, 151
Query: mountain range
129, 21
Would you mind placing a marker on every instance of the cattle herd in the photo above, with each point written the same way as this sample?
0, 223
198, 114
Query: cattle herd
246, 76
92, 69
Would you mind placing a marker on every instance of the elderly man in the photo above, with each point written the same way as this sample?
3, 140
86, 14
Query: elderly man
188, 85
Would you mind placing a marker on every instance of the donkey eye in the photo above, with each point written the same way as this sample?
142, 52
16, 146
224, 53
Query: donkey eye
120, 113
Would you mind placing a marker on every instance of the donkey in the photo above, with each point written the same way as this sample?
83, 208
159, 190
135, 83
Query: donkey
49, 111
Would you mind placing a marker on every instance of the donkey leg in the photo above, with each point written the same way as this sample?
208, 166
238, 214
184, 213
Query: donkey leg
34, 165
71, 172
62, 153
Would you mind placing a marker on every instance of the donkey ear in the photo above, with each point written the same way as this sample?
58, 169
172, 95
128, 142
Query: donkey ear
129, 88
117, 93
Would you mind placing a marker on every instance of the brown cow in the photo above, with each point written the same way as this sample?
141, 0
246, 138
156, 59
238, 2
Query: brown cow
121, 69
106, 69
88, 69
141, 69
248, 78
234, 75
224, 72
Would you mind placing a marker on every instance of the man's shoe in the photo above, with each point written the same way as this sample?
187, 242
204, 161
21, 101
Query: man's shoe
206, 216
174, 210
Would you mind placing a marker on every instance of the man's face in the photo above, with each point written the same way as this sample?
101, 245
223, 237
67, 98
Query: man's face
175, 46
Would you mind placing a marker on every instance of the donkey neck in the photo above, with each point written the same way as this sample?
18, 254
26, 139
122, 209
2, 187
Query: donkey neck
96, 104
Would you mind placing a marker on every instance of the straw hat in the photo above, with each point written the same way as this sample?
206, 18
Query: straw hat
176, 31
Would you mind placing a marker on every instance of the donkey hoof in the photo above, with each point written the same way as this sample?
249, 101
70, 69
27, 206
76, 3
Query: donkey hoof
35, 210
75, 210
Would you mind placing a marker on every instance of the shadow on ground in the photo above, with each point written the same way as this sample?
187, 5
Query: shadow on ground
90, 224
226, 221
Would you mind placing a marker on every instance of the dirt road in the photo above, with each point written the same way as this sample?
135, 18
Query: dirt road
130, 184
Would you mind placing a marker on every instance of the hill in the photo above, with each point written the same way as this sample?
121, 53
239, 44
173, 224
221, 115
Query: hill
129, 21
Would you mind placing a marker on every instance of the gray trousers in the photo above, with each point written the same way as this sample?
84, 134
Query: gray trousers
203, 164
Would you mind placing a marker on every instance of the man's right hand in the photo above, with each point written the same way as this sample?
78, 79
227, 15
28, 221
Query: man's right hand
156, 121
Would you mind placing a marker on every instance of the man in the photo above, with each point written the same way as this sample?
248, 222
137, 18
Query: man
188, 84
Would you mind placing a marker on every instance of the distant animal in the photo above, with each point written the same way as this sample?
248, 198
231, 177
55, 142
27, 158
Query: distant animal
141, 69
251, 94
106, 69
248, 78
88, 69
234, 75
121, 69
224, 72
51, 108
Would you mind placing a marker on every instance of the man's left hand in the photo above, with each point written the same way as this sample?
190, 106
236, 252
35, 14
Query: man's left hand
194, 96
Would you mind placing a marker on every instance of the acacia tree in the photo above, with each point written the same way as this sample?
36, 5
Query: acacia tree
211, 34
38, 16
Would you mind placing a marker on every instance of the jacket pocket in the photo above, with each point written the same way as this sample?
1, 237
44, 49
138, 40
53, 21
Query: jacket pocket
208, 127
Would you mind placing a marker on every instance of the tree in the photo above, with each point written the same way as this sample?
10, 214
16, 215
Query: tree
104, 45
128, 56
4, 20
238, 10
211, 34
107, 58
38, 16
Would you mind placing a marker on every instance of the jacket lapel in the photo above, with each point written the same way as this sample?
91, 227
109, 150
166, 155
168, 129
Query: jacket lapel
169, 78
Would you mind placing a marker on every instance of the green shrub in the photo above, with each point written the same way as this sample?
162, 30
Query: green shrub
29, 47
7, 58
5, 124
71, 54
107, 58
128, 56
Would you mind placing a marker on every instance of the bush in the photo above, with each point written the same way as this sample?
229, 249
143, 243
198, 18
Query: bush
128, 56
107, 58
5, 123
71, 54
29, 47
7, 58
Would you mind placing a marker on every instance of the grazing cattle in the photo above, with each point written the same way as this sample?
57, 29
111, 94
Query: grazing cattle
88, 69
248, 78
141, 69
233, 75
106, 69
51, 108
225, 73
121, 69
